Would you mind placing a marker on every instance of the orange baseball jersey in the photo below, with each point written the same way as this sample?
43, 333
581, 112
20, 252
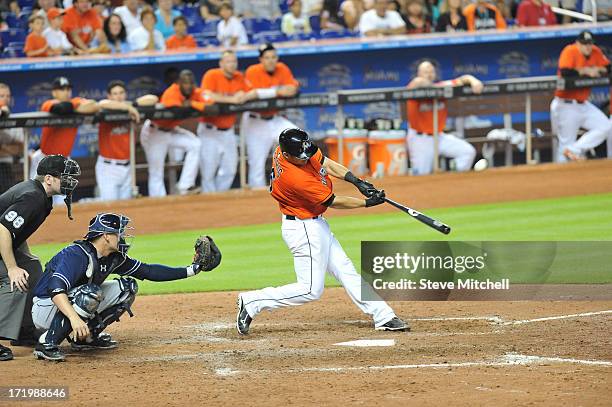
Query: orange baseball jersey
114, 140
175, 42
300, 191
58, 140
572, 58
86, 24
173, 97
258, 78
420, 113
214, 80
492, 18
34, 42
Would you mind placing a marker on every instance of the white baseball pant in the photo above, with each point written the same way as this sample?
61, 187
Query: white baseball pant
568, 116
156, 144
315, 251
218, 158
114, 179
44, 309
260, 136
421, 150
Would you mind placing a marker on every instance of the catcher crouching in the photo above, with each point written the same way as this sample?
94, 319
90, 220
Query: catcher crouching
73, 296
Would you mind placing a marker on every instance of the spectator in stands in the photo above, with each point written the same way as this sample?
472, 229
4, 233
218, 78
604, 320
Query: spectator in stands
268, 9
564, 4
15, 8
82, 24
180, 39
604, 9
381, 22
420, 122
35, 44
43, 7
165, 17
483, 16
3, 26
146, 37
56, 38
230, 30
451, 18
432, 8
209, 9
352, 11
331, 16
11, 142
116, 35
535, 13
294, 22
103, 8
130, 15
416, 18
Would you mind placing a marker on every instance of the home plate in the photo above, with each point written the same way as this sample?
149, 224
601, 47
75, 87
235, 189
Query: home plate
368, 342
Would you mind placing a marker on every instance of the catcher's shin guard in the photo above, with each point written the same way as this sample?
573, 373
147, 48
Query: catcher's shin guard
59, 330
129, 288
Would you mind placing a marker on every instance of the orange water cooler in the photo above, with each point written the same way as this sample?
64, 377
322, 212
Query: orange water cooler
388, 153
354, 151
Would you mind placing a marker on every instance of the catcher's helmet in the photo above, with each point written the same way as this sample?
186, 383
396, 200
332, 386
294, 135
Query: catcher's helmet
296, 142
112, 223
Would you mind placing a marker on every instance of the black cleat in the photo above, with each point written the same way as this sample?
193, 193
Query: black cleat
243, 319
394, 324
103, 341
5, 353
49, 352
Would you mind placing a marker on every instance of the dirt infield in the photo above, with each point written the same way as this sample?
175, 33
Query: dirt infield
183, 349
252, 207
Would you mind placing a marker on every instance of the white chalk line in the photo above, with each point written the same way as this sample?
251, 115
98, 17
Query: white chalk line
511, 359
568, 316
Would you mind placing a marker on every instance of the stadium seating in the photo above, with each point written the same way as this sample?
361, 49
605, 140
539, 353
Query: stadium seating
268, 36
26, 3
12, 35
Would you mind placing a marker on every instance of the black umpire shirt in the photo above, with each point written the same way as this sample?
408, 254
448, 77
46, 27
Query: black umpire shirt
24, 208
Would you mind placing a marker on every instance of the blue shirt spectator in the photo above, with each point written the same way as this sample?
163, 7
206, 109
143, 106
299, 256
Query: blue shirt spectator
165, 16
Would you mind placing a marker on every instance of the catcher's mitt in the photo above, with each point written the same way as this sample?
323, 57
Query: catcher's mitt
207, 255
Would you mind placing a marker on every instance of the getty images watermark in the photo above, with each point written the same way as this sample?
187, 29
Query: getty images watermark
441, 270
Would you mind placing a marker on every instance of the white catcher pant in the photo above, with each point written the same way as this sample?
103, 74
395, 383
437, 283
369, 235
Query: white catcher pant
315, 251
114, 180
260, 136
218, 159
44, 309
421, 150
567, 118
156, 144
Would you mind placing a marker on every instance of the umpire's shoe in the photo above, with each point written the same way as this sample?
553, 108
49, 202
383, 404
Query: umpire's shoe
48, 352
5, 353
394, 324
243, 319
103, 341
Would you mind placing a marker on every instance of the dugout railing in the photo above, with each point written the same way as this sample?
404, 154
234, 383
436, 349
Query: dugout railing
526, 86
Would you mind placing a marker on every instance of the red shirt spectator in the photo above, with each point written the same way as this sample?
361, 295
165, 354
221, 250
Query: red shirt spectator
83, 22
535, 13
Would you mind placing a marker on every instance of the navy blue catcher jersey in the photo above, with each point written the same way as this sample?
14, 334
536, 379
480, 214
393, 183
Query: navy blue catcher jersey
79, 264
24, 207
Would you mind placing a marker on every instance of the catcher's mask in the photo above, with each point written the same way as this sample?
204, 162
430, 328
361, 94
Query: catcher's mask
111, 223
297, 143
67, 170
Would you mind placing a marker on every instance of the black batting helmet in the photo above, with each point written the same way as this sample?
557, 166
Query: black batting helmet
296, 142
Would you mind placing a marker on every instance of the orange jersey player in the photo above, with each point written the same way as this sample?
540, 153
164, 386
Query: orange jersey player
60, 140
420, 124
158, 136
571, 110
271, 79
113, 174
219, 157
302, 186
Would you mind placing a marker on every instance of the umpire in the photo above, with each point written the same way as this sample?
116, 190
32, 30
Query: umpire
23, 208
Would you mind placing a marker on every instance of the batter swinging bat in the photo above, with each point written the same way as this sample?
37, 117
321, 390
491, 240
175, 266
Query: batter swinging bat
432, 223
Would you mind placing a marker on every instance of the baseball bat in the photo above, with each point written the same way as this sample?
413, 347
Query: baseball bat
432, 223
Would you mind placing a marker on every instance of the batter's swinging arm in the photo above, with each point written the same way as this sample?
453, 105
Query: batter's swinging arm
432, 223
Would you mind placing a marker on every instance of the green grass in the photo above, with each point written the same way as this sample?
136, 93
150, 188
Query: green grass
256, 256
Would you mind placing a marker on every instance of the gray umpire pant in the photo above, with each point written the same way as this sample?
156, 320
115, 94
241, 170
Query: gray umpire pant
15, 306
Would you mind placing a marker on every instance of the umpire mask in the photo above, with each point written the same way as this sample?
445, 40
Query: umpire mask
67, 170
